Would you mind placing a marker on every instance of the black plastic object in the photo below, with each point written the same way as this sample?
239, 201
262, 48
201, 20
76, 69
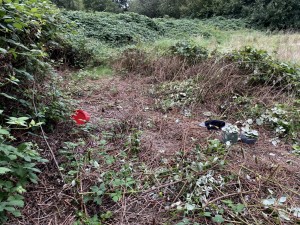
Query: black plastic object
214, 124
247, 140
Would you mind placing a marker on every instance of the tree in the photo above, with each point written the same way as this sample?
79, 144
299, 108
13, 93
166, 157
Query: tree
170, 8
69, 4
276, 14
96, 5
146, 7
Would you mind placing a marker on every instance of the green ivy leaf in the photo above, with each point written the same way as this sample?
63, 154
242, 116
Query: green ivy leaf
34, 10
207, 214
239, 208
16, 213
190, 207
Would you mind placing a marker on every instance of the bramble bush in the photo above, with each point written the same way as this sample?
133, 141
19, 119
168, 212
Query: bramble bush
17, 168
267, 70
27, 77
28, 92
116, 29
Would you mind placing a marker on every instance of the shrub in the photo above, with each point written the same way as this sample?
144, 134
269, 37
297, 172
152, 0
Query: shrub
184, 28
28, 90
27, 81
267, 70
17, 168
116, 29
189, 51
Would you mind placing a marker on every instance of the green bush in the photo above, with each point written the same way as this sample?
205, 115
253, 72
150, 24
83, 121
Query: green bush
276, 14
226, 23
17, 168
273, 14
267, 70
189, 51
116, 29
28, 91
27, 80
184, 28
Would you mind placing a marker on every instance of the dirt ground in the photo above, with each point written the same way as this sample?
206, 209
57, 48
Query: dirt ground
163, 134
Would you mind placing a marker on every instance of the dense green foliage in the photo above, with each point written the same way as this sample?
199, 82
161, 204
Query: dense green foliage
132, 28
267, 70
17, 168
93, 5
27, 93
274, 14
116, 28
25, 30
192, 53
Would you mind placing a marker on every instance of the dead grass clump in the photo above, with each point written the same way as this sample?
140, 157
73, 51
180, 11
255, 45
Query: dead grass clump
221, 85
133, 61
164, 68
219, 82
217, 79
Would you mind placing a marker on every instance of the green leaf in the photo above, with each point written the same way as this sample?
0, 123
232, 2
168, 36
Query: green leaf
10, 209
24, 73
4, 132
16, 213
190, 207
116, 198
98, 200
239, 208
18, 203
18, 121
8, 96
4, 170
3, 51
207, 214
228, 202
218, 219
18, 25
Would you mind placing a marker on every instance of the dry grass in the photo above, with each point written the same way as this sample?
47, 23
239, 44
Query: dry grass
216, 80
284, 46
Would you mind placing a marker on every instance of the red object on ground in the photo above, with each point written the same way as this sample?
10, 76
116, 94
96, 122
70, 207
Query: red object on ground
81, 117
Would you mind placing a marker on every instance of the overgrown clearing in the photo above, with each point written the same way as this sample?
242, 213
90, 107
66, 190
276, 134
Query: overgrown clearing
138, 165
149, 85
144, 159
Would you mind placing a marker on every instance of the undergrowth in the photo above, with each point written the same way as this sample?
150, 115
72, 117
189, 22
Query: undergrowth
191, 186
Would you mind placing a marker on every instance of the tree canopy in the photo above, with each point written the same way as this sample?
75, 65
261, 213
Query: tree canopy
274, 14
